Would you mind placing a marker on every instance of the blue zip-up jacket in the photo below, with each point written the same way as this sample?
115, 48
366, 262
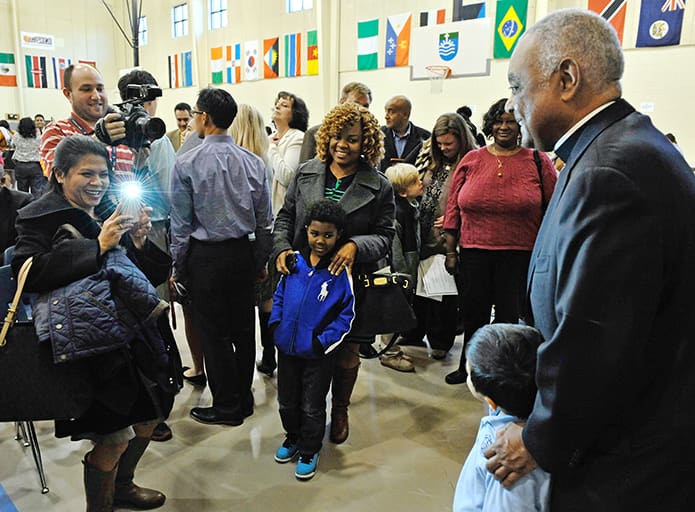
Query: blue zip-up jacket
312, 309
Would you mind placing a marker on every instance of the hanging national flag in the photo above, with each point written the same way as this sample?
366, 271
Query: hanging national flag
510, 23
463, 10
613, 11
367, 42
216, 64
270, 58
187, 68
251, 60
173, 71
234, 64
397, 49
36, 71
92, 63
293, 54
59, 65
432, 17
8, 70
312, 53
660, 23
181, 70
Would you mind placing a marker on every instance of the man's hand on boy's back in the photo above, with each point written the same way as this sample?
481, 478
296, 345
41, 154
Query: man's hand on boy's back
508, 458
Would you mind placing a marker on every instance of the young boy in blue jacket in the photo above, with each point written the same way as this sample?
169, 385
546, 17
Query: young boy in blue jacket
312, 313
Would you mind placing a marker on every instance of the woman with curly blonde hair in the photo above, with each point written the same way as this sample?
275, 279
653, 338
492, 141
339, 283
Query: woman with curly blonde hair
349, 145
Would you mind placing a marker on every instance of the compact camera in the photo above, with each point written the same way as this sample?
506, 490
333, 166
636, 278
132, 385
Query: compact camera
130, 198
140, 127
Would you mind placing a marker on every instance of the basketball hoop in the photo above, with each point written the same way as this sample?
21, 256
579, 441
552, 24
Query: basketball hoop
437, 76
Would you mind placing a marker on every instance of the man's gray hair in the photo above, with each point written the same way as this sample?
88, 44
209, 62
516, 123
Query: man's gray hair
583, 36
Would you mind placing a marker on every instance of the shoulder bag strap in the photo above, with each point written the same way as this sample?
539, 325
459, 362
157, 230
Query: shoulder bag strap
12, 310
539, 167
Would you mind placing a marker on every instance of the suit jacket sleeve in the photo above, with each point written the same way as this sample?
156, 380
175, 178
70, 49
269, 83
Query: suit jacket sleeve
607, 245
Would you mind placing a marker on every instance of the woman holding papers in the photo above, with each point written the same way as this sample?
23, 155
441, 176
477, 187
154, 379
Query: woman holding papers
495, 207
450, 141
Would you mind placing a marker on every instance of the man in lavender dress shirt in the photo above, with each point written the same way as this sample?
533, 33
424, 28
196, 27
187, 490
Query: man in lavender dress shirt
220, 196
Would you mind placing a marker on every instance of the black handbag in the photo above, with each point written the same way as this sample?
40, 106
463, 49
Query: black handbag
383, 304
32, 387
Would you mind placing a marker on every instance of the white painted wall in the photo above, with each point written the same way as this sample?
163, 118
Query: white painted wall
664, 77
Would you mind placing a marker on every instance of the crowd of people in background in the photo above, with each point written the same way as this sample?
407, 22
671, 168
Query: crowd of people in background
243, 214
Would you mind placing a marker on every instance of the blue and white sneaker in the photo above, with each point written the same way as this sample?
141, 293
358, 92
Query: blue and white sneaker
286, 452
306, 466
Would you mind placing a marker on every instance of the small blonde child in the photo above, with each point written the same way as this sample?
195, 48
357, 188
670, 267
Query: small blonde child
407, 187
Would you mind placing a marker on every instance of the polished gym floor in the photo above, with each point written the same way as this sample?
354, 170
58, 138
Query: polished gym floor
409, 436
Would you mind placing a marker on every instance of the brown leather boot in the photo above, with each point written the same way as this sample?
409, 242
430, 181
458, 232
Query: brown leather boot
98, 487
343, 384
126, 492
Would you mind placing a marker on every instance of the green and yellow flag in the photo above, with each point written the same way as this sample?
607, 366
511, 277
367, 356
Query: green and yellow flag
510, 23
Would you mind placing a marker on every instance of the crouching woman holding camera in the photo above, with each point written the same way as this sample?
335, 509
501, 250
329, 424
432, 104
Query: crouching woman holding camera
133, 377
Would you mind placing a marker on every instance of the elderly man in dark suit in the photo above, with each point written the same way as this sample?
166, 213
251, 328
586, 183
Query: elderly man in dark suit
402, 139
611, 285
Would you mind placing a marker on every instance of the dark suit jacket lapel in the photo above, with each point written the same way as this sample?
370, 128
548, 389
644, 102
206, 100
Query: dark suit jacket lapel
579, 143
588, 134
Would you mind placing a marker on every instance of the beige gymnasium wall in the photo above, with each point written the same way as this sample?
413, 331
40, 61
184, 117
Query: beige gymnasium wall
658, 80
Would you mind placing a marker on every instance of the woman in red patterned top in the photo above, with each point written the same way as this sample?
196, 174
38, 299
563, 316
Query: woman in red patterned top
494, 209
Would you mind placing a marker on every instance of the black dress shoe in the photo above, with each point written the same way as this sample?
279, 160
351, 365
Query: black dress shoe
211, 416
266, 367
197, 380
456, 377
161, 432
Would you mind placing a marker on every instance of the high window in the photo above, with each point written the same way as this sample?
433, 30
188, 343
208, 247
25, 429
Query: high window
299, 5
179, 19
142, 30
218, 14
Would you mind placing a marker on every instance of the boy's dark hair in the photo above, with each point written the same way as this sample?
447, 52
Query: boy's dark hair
502, 359
183, 106
137, 77
328, 211
219, 105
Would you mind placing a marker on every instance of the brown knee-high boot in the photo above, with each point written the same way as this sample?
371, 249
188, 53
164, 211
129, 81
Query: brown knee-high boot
343, 384
98, 487
126, 492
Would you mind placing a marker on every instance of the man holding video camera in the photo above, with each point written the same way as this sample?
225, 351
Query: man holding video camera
84, 89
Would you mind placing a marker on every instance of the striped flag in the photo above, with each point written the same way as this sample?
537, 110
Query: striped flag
8, 70
234, 64
270, 58
613, 11
92, 63
36, 71
251, 60
293, 55
181, 70
397, 49
467, 11
216, 64
312, 53
432, 17
59, 65
367, 43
